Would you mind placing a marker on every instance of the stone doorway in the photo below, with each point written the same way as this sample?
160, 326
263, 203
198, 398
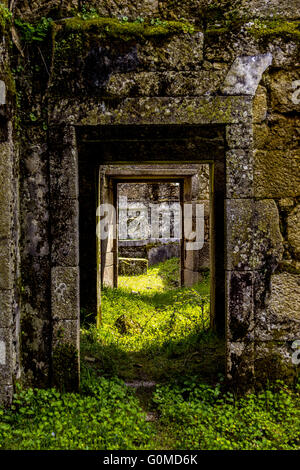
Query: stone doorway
110, 153
192, 218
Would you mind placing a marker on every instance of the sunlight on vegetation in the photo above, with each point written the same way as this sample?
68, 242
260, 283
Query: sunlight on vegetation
153, 331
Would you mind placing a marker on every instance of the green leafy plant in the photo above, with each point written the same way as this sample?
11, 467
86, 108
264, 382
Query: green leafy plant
201, 417
87, 13
106, 415
31, 33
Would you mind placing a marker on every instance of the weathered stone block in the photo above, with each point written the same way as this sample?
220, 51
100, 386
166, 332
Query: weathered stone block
65, 355
273, 361
239, 174
276, 8
198, 260
284, 297
191, 277
65, 232
260, 105
158, 254
2, 92
239, 217
64, 163
293, 231
66, 332
182, 52
280, 133
134, 84
108, 276
6, 359
65, 293
5, 190
285, 94
197, 110
285, 53
6, 300
6, 265
276, 173
254, 239
260, 135
239, 136
132, 9
245, 74
239, 301
132, 266
198, 83
267, 239
34, 10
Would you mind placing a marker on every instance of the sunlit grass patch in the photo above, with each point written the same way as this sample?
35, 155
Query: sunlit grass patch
151, 328
160, 277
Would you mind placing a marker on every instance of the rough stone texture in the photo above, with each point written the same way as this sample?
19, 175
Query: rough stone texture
129, 8
132, 266
6, 361
6, 190
65, 232
284, 90
245, 74
284, 53
276, 8
260, 105
240, 321
6, 394
170, 81
2, 92
6, 267
35, 258
278, 133
179, 53
158, 254
293, 231
240, 136
165, 83
218, 110
280, 319
32, 10
273, 361
276, 173
63, 163
194, 9
65, 293
253, 235
6, 302
66, 332
239, 174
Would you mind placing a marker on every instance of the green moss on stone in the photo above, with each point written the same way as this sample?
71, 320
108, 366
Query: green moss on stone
277, 28
5, 18
73, 36
114, 28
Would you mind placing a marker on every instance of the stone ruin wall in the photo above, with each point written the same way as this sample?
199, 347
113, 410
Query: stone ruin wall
137, 242
262, 175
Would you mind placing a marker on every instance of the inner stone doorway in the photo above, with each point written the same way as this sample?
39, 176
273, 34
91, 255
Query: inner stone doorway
191, 218
123, 153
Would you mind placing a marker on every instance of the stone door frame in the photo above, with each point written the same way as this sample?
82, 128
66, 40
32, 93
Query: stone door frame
111, 175
234, 113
